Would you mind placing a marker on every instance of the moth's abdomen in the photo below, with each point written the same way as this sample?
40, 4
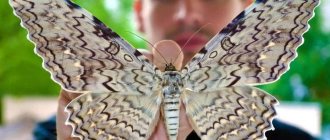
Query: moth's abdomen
171, 110
172, 86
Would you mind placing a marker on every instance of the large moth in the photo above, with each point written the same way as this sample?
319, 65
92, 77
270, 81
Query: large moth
124, 93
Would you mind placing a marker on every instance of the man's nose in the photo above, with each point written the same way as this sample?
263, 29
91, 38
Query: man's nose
188, 12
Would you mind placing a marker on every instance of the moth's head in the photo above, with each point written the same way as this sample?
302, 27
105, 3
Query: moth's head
170, 67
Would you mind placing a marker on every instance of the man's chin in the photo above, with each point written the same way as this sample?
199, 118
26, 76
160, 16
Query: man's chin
191, 49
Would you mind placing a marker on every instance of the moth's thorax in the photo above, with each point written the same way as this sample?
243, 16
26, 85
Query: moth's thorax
172, 79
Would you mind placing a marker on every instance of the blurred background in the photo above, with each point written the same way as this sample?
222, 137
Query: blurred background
27, 94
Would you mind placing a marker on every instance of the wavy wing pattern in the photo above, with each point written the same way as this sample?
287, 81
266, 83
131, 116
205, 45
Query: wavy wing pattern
230, 113
123, 91
113, 116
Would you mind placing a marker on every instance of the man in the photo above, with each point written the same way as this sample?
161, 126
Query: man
179, 19
176, 20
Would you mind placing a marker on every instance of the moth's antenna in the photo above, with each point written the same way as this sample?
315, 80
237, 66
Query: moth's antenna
150, 44
190, 39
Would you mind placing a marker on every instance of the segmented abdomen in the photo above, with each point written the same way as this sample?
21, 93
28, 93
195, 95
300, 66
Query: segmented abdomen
171, 110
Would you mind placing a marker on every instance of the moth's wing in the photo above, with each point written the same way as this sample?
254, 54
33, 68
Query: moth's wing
80, 52
113, 116
230, 113
256, 48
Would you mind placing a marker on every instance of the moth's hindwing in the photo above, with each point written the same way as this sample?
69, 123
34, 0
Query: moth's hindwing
113, 116
230, 113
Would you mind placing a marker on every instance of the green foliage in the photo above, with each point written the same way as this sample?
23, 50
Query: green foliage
21, 73
20, 69
119, 17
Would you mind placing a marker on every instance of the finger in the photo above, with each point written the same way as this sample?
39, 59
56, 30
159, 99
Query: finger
64, 131
185, 128
166, 52
146, 53
159, 132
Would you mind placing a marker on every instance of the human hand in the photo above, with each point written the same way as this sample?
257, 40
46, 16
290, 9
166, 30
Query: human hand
170, 52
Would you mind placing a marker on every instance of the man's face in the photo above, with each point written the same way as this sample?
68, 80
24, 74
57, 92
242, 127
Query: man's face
178, 20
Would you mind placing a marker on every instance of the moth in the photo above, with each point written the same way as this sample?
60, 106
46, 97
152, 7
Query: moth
124, 95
